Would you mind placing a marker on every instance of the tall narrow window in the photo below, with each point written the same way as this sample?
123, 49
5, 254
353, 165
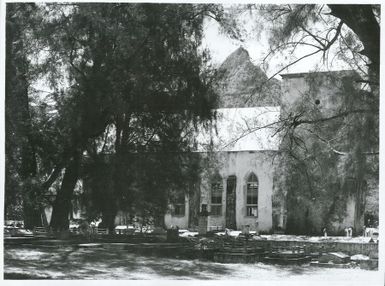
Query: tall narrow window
216, 196
252, 196
179, 206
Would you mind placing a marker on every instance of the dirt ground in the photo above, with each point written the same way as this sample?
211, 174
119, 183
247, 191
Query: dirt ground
100, 263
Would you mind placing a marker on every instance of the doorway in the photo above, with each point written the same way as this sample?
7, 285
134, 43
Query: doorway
230, 202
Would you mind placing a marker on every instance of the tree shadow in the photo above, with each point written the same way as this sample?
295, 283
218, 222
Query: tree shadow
101, 263
184, 269
299, 269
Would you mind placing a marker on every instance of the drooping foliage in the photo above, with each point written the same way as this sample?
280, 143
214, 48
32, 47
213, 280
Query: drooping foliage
326, 162
333, 31
20, 148
136, 67
329, 150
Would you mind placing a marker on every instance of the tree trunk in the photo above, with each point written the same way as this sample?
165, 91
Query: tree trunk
108, 220
194, 205
361, 19
159, 220
44, 219
19, 139
31, 212
110, 207
62, 204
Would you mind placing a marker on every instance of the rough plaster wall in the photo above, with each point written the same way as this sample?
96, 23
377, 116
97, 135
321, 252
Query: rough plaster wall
348, 220
292, 90
322, 86
327, 88
372, 198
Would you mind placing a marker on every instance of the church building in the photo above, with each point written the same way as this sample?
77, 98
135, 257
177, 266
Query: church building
238, 190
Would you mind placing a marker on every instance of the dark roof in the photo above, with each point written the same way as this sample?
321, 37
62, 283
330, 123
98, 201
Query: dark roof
303, 74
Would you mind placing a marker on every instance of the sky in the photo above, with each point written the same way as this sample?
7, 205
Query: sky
221, 46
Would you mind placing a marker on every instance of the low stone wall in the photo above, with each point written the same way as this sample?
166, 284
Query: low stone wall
350, 248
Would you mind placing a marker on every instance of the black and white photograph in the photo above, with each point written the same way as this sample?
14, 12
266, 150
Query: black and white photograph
206, 141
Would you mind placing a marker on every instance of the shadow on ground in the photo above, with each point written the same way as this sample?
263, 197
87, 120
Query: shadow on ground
67, 262
96, 263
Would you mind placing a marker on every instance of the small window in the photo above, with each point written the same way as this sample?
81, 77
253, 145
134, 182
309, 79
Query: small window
216, 197
179, 207
252, 196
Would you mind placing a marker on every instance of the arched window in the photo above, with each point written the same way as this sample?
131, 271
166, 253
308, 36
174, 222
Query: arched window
252, 196
216, 196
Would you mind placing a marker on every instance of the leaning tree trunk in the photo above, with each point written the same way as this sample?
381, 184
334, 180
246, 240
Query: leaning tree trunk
19, 142
62, 204
30, 191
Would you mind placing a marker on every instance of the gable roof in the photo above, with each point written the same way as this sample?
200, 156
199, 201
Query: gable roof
241, 129
350, 73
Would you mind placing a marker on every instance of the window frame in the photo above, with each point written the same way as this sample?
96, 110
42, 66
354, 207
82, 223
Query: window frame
252, 192
216, 191
179, 205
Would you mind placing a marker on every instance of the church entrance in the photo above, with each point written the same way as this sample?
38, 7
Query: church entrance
230, 202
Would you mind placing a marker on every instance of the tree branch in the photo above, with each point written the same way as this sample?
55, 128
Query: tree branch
52, 178
341, 153
251, 130
278, 72
342, 114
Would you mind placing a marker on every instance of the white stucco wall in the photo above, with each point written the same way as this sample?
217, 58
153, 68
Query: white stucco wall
242, 164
